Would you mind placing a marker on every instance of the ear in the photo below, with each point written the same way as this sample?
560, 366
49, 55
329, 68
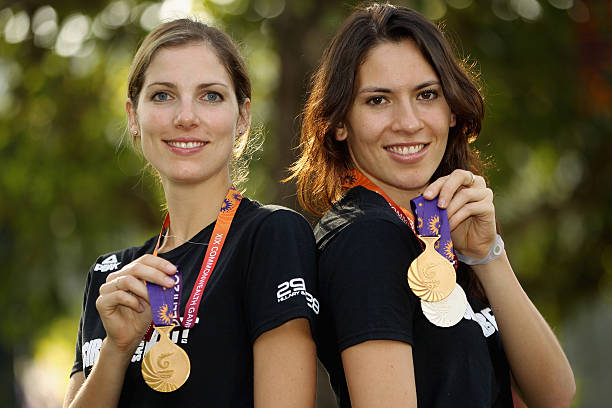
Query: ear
453, 120
244, 116
341, 132
130, 109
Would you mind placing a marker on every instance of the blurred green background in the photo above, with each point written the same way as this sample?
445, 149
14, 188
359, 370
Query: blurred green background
71, 188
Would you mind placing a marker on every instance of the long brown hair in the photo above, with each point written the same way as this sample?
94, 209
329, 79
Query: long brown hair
323, 159
186, 31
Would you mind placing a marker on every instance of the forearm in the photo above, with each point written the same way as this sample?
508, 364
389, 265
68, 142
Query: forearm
536, 358
102, 387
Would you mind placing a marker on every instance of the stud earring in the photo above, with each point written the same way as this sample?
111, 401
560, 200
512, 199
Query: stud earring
135, 132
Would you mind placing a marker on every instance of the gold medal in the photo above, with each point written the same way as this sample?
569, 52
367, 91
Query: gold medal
166, 366
431, 276
448, 311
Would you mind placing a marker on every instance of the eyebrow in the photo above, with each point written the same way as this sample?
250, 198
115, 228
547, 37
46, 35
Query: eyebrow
375, 89
200, 86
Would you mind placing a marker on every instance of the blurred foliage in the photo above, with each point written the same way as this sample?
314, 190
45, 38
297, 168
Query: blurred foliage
70, 189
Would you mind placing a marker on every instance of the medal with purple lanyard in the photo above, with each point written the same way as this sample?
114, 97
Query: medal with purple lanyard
166, 366
431, 275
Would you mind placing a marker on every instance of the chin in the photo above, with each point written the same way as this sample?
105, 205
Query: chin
411, 185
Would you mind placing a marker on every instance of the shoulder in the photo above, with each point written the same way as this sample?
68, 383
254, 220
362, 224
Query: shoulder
272, 217
357, 212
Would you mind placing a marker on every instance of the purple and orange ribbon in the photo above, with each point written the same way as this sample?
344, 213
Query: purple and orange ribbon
165, 301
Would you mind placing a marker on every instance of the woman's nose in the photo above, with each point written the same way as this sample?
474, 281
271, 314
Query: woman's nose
185, 117
407, 118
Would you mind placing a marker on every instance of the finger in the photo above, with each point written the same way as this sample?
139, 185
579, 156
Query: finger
110, 301
468, 195
481, 209
157, 262
434, 188
457, 179
126, 283
152, 261
145, 272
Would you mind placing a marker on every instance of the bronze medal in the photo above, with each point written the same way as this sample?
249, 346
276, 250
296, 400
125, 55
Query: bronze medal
431, 276
166, 366
448, 311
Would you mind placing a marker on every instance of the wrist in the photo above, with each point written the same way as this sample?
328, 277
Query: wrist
119, 352
496, 250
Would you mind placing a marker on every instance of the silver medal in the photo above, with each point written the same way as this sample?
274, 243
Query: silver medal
448, 311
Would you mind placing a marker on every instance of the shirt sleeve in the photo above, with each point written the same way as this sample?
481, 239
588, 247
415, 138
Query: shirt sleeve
281, 274
78, 358
363, 282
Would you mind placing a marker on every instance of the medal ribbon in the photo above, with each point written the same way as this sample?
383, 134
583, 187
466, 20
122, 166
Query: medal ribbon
353, 178
162, 298
431, 220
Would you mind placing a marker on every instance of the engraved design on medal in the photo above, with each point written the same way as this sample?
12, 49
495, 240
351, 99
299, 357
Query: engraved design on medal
166, 366
431, 276
446, 312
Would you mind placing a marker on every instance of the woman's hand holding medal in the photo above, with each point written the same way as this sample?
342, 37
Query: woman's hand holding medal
123, 303
471, 213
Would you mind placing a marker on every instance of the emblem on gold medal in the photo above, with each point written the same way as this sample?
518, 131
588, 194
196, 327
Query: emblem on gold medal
431, 276
166, 366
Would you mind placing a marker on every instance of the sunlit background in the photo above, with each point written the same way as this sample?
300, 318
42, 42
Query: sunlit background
71, 188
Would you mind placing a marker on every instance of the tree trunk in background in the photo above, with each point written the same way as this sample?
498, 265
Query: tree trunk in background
301, 34
300, 37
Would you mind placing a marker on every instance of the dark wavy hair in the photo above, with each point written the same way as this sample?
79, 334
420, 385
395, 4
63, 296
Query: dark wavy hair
323, 159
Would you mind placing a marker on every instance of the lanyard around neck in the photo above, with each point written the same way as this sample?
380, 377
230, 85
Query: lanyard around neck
431, 219
353, 178
213, 251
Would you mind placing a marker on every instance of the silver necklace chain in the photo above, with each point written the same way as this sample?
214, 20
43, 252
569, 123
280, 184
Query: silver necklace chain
184, 240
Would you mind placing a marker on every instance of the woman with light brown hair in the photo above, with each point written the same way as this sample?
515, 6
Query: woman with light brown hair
216, 310
386, 161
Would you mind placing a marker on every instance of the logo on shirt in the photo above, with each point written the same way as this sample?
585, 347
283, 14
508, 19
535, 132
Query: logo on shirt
296, 287
484, 318
109, 264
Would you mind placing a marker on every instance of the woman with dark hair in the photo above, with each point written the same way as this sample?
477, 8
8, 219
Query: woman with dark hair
228, 282
385, 157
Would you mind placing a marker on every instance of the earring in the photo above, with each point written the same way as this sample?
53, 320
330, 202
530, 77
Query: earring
135, 132
240, 132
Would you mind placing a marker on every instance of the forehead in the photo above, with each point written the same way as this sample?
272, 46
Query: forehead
193, 62
394, 63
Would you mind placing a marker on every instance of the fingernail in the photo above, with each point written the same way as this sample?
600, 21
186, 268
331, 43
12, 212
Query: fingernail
441, 203
428, 194
169, 281
170, 268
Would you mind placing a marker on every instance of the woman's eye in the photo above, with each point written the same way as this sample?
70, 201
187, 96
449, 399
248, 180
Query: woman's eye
376, 100
213, 97
428, 95
161, 97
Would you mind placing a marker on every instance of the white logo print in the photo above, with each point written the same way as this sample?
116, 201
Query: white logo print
484, 318
109, 264
295, 287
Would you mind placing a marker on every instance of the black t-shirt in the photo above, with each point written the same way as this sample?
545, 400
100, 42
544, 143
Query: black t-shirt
265, 276
364, 253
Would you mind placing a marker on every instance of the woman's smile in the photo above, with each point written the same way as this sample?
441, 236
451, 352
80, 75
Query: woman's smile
407, 152
185, 147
